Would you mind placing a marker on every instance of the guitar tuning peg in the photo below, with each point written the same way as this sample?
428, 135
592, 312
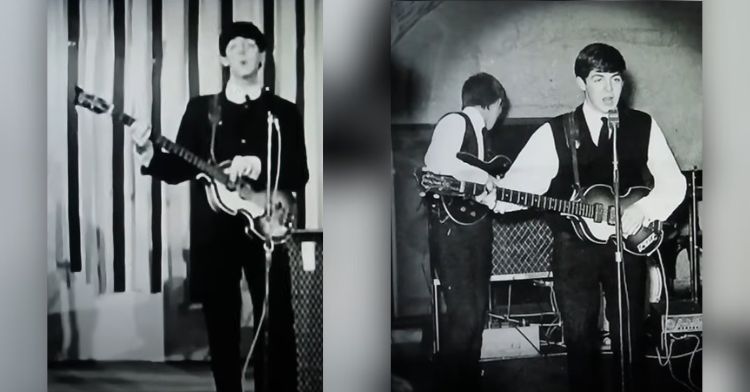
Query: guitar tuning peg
435, 196
422, 194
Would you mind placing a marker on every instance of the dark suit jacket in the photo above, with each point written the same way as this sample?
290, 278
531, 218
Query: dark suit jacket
216, 238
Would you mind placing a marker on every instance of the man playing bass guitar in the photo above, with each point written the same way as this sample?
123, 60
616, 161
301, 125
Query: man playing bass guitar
231, 126
548, 165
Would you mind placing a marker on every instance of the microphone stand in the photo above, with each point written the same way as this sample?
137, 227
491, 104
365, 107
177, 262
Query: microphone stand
613, 124
268, 245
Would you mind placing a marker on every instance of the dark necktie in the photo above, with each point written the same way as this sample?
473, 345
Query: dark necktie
603, 134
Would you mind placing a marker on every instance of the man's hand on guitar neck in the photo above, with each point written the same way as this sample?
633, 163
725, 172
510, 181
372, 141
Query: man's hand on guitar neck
488, 197
142, 145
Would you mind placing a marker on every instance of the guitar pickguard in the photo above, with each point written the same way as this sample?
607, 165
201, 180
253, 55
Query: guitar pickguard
462, 211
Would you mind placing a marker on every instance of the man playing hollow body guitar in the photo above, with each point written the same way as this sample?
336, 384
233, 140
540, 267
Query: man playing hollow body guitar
219, 247
546, 165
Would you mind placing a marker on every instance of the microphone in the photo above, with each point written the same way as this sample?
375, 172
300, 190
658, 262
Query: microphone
266, 103
265, 99
613, 117
247, 101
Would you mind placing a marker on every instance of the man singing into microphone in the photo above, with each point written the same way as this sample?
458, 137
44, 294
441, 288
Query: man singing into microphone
232, 126
546, 165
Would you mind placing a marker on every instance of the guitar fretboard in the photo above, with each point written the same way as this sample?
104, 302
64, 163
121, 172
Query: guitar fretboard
538, 201
162, 142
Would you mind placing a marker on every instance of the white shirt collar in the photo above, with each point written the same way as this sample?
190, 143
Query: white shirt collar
236, 92
477, 121
593, 120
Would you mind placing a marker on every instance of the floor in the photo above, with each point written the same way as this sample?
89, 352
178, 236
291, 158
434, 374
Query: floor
410, 367
131, 377
411, 364
540, 374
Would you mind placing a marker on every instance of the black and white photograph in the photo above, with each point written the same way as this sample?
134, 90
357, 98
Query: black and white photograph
547, 198
184, 195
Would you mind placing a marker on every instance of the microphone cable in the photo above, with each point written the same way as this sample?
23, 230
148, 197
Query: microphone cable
271, 249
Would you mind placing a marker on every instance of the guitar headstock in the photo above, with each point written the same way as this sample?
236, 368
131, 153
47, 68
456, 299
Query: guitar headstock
91, 102
436, 183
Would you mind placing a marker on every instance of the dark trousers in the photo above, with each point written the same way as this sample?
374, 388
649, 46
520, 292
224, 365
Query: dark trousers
579, 268
222, 308
461, 257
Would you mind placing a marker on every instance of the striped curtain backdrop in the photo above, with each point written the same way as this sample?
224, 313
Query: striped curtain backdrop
110, 228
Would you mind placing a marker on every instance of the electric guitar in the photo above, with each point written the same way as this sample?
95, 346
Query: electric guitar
592, 213
223, 195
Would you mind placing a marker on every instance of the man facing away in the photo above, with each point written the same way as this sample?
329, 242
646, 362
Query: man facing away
460, 254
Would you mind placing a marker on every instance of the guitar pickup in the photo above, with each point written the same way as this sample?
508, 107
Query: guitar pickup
598, 212
611, 216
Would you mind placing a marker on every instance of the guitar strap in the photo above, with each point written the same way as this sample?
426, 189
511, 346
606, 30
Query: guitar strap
214, 117
571, 138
